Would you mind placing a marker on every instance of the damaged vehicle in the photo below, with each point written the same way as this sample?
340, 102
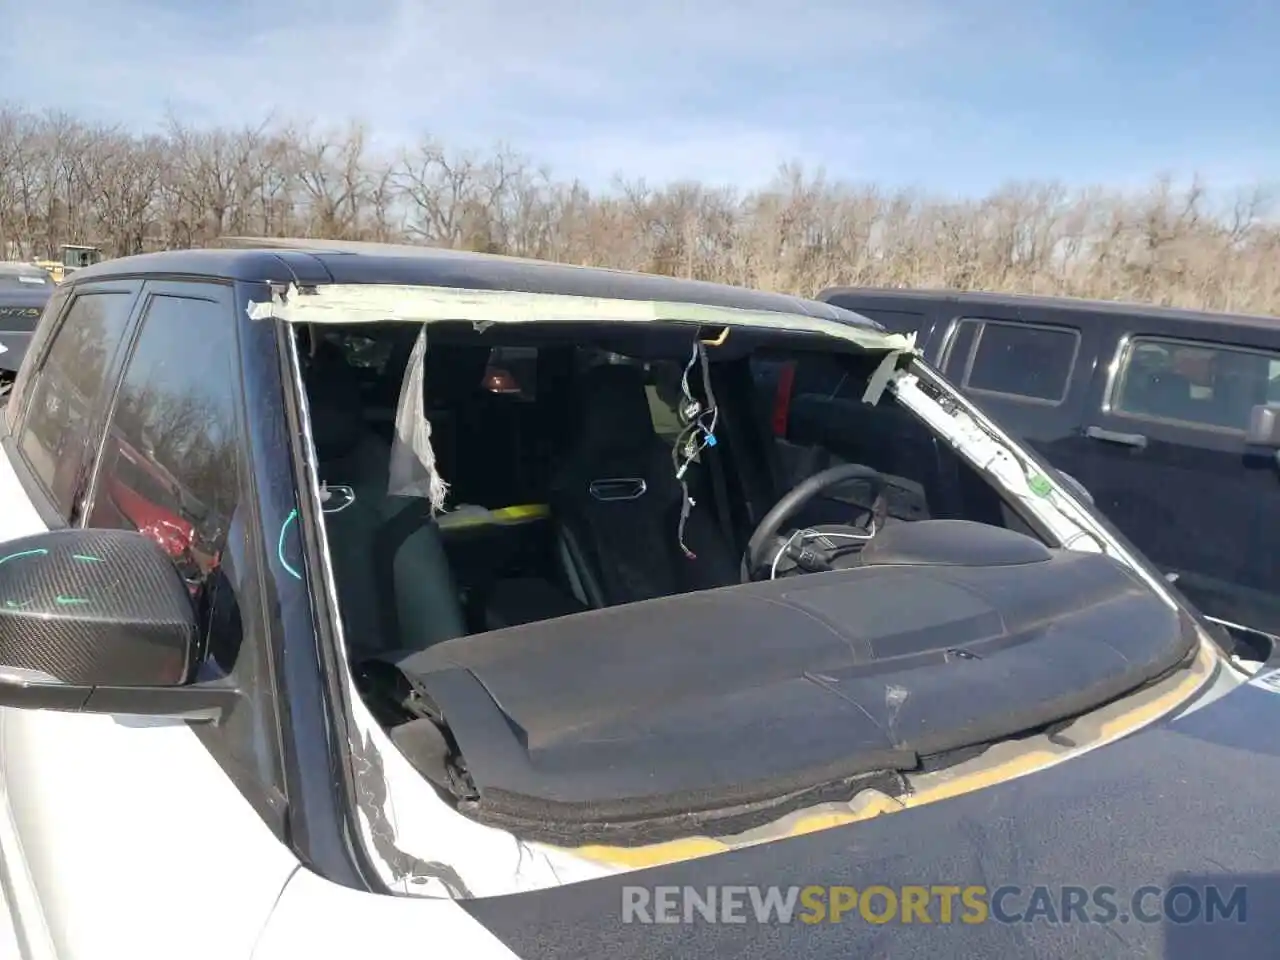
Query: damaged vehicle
445, 593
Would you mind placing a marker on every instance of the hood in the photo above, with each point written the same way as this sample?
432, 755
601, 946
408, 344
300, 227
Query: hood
1189, 802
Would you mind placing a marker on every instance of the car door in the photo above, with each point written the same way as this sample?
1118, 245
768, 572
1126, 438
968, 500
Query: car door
124, 836
1028, 369
1169, 465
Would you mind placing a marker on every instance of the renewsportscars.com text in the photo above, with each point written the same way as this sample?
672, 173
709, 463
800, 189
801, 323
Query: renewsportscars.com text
935, 904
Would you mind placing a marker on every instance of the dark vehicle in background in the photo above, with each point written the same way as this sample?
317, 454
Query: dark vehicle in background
1170, 419
24, 290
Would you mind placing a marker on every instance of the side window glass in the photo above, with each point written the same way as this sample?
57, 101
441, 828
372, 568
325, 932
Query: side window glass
1192, 383
1022, 360
67, 391
169, 464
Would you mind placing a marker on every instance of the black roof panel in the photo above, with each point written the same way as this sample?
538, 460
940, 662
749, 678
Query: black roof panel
278, 260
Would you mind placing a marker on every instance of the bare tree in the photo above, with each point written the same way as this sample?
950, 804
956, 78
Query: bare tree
63, 180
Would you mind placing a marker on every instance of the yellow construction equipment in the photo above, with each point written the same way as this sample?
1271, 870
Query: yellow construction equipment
74, 256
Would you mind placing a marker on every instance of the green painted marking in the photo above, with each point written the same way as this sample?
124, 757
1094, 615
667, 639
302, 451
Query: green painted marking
14, 604
69, 600
24, 553
1040, 486
88, 559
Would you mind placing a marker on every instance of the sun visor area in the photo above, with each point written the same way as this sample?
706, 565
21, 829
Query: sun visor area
413, 471
382, 303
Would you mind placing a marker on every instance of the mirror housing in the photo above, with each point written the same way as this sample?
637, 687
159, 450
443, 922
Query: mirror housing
100, 621
1264, 426
1078, 488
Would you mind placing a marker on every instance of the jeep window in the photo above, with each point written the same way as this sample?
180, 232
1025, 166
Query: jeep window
67, 391
1021, 360
1193, 383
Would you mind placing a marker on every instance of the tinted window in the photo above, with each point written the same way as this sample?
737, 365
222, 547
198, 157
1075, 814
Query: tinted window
1023, 360
68, 389
169, 465
1194, 383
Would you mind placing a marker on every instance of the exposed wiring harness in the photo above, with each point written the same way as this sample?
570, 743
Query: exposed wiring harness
698, 432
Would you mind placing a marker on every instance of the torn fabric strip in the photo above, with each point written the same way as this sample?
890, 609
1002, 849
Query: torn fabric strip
413, 471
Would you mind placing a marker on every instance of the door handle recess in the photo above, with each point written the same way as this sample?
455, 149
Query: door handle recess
1115, 436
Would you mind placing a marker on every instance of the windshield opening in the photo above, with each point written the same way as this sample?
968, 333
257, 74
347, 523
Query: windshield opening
637, 619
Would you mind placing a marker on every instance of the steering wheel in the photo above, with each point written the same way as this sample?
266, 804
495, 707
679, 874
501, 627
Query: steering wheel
766, 543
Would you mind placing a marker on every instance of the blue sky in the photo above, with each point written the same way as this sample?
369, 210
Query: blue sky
950, 95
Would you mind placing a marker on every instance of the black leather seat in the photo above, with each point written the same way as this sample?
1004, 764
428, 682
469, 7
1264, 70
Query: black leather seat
396, 590
617, 502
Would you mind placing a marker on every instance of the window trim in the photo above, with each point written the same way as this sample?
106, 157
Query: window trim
1074, 332
1118, 368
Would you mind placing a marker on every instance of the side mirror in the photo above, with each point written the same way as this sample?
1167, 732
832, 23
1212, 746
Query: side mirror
1078, 488
1264, 426
100, 621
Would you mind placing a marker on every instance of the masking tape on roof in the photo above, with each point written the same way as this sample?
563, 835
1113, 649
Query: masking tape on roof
350, 303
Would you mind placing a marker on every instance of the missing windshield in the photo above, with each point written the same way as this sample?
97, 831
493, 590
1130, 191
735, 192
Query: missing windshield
819, 593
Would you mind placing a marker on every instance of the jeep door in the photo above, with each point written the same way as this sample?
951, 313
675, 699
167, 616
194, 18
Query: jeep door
1028, 368
1169, 465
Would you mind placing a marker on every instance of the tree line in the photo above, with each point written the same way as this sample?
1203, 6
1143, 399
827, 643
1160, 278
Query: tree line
67, 180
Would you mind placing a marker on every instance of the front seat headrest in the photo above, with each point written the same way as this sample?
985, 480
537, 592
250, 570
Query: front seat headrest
333, 392
453, 374
615, 411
